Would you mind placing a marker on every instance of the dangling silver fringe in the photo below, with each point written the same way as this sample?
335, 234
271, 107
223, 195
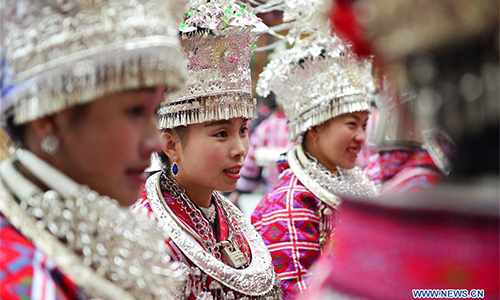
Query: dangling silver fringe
88, 79
323, 113
206, 109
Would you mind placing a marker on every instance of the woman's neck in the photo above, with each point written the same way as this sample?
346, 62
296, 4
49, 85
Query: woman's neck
315, 152
199, 195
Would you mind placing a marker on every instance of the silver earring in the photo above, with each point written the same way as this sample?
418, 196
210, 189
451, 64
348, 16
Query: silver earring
50, 144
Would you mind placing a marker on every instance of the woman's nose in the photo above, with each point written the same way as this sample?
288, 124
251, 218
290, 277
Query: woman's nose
360, 136
240, 147
152, 141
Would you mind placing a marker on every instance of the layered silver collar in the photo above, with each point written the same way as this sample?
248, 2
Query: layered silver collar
258, 280
326, 186
107, 251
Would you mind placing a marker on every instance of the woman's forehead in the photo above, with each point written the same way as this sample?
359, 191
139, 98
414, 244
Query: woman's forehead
358, 116
234, 121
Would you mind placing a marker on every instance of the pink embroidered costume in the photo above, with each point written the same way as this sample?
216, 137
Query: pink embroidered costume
400, 172
313, 84
298, 215
59, 239
222, 254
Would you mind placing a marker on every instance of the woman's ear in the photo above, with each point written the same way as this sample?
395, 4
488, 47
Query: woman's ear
313, 132
170, 145
43, 127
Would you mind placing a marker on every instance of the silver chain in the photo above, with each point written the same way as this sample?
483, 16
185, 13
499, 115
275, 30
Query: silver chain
201, 224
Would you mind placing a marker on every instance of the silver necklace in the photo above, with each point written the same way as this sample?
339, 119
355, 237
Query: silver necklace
209, 213
256, 281
108, 251
327, 187
228, 248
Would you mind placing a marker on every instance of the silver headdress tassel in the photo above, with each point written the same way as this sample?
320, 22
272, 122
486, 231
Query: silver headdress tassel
316, 81
217, 38
64, 53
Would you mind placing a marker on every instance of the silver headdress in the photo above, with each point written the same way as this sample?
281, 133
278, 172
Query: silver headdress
396, 117
316, 81
447, 52
398, 127
318, 78
217, 38
64, 53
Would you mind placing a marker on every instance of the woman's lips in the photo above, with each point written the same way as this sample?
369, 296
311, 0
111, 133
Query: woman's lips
353, 152
233, 173
137, 175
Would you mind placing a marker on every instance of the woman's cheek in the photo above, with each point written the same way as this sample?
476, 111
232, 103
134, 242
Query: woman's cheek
247, 146
213, 156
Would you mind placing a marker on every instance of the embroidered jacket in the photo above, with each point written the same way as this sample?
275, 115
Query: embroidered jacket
27, 273
200, 284
403, 171
298, 215
288, 219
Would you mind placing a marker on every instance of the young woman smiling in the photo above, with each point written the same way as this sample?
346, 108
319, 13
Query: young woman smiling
326, 96
81, 105
205, 141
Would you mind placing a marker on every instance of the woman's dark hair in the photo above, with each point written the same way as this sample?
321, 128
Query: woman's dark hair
182, 132
16, 132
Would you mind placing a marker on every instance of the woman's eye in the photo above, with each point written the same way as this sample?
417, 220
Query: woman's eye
222, 134
136, 111
244, 130
351, 124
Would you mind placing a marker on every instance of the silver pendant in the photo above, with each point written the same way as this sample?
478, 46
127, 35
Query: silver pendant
233, 255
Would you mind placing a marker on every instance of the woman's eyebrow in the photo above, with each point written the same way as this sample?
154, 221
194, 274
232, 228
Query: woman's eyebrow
354, 117
222, 122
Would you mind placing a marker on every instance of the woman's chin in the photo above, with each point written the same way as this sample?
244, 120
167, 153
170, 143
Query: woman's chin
127, 198
347, 165
228, 188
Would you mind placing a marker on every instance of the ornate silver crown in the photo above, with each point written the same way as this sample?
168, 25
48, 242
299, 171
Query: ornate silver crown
217, 38
318, 79
63, 53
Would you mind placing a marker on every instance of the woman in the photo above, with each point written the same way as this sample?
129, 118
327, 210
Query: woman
419, 243
325, 95
81, 105
204, 145
407, 159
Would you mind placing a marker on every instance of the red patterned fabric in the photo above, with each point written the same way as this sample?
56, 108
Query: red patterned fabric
288, 220
271, 133
383, 252
27, 273
403, 171
143, 203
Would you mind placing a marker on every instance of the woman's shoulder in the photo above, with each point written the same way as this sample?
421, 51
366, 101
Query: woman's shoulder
26, 271
288, 192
